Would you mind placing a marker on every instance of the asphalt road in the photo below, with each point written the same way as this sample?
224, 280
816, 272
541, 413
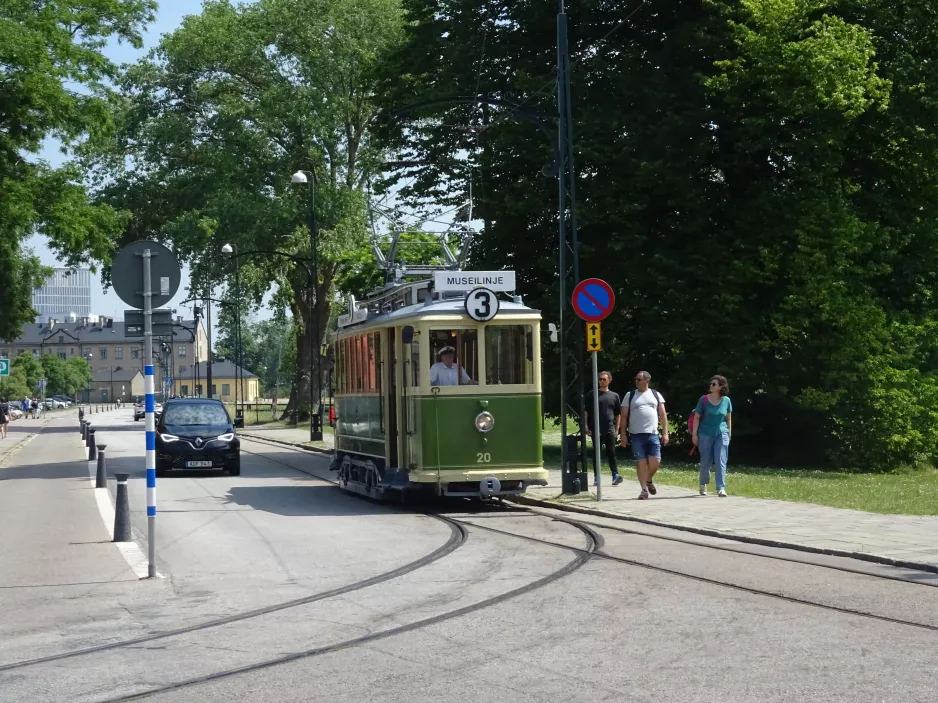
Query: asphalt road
280, 587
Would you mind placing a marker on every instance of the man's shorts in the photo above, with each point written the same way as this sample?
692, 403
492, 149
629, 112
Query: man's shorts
645, 445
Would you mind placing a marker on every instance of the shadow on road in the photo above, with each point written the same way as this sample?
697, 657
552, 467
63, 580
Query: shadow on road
304, 500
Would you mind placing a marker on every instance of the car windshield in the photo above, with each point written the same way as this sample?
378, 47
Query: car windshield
195, 414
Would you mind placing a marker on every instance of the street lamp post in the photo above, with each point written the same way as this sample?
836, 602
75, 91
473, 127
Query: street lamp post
88, 357
315, 418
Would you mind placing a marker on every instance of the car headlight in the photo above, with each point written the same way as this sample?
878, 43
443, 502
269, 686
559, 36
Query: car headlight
484, 421
227, 437
169, 438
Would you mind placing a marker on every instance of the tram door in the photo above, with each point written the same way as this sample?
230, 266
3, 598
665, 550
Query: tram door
391, 397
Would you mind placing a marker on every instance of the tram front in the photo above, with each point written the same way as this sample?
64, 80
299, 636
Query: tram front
477, 410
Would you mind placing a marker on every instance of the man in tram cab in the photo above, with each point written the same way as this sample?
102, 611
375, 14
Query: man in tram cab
446, 372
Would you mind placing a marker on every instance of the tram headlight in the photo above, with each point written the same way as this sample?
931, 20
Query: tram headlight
485, 422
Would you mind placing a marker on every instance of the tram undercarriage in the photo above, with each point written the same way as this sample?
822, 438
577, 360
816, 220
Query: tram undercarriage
370, 478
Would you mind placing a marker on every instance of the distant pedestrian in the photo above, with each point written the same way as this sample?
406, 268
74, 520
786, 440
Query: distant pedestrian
642, 412
34, 406
4, 417
713, 427
25, 407
609, 406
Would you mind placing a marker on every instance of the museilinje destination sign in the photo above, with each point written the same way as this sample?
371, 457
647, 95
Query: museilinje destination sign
466, 280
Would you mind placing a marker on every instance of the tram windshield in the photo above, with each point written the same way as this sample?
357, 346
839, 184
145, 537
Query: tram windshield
509, 354
455, 355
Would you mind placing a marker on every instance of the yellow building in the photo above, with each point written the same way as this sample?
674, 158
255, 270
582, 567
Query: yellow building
108, 386
193, 382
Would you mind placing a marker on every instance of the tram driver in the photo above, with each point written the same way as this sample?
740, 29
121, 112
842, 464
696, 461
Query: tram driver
446, 372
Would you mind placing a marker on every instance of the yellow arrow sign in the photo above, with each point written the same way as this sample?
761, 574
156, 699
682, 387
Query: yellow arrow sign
594, 337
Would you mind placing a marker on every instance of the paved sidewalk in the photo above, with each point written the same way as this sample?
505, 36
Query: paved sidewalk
901, 539
20, 432
59, 565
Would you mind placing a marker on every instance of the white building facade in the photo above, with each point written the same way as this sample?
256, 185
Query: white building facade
66, 295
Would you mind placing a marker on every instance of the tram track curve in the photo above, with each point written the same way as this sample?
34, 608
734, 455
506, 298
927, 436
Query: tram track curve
595, 548
742, 550
457, 538
582, 556
600, 554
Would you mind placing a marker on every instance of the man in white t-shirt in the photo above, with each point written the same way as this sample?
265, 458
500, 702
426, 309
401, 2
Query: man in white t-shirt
446, 372
642, 411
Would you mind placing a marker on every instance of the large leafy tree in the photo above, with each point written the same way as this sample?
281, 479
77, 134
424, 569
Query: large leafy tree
756, 179
52, 74
214, 123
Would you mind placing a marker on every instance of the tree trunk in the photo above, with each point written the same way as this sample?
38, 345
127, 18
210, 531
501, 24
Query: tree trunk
300, 393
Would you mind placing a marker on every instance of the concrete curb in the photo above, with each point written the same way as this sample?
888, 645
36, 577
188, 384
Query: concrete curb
284, 443
861, 556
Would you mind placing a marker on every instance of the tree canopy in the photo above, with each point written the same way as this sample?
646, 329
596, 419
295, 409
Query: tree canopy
52, 78
755, 178
215, 121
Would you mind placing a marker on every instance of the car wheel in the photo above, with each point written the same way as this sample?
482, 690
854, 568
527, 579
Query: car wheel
136, 419
235, 469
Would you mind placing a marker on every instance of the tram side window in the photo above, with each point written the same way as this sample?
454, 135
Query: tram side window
509, 354
464, 368
359, 366
370, 380
339, 368
349, 373
415, 364
377, 362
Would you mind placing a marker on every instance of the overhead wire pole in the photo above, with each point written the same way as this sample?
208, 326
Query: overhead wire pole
568, 273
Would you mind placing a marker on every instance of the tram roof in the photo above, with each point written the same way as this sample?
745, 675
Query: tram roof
442, 308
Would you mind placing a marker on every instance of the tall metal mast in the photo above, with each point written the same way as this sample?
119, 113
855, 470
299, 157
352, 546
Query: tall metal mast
570, 334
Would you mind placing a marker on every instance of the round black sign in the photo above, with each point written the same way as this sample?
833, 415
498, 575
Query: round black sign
482, 304
127, 274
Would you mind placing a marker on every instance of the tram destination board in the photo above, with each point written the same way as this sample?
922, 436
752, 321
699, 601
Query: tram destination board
450, 281
593, 300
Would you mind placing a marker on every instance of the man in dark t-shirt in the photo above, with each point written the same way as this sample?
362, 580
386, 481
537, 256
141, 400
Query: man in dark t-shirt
609, 407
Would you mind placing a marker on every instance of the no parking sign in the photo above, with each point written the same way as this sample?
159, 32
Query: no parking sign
593, 299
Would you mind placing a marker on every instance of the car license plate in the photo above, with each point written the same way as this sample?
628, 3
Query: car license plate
198, 464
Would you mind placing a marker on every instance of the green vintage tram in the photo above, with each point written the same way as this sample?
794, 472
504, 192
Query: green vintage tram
405, 426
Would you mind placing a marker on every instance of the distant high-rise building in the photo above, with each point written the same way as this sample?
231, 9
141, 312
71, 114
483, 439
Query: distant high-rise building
66, 294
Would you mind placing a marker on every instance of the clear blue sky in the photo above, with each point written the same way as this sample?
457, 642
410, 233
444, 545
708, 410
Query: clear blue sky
168, 17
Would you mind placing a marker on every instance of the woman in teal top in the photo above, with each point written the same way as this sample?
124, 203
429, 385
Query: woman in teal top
713, 426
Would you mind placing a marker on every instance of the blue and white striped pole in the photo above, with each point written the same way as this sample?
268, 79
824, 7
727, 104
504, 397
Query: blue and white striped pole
150, 408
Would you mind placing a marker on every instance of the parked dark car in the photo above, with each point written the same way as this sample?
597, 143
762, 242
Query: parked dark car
196, 434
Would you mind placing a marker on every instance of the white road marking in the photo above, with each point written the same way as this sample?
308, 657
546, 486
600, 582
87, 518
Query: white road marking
133, 555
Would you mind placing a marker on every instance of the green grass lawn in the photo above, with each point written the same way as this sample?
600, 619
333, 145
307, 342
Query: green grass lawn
906, 492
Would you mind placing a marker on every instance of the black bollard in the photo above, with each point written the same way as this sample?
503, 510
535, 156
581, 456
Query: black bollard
122, 511
81, 428
100, 480
92, 448
88, 433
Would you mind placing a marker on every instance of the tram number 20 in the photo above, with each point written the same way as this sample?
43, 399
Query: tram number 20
483, 458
